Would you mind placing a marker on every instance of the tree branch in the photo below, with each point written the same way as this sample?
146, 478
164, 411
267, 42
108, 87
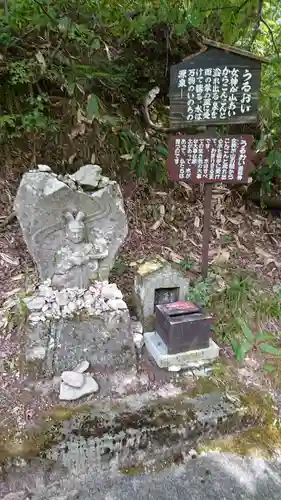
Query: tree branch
271, 35
148, 100
45, 11
257, 24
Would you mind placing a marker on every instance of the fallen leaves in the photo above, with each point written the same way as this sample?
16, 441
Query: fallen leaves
9, 260
222, 257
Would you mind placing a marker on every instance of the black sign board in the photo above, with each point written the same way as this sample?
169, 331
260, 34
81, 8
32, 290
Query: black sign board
214, 87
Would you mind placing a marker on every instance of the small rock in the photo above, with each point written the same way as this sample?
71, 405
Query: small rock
137, 327
174, 368
88, 175
46, 291
110, 291
82, 367
16, 495
68, 393
79, 303
104, 181
138, 340
73, 378
44, 168
38, 352
72, 307
117, 304
61, 298
45, 308
35, 317
192, 453
34, 303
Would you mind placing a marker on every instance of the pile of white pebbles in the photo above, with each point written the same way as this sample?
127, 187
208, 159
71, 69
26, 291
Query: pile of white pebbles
49, 304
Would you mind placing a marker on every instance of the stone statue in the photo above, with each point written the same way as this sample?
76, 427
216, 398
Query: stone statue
72, 234
77, 261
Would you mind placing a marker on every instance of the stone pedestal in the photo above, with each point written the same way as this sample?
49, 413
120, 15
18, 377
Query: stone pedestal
67, 327
183, 360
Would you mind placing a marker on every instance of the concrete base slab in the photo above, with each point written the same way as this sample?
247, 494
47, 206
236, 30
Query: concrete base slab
184, 360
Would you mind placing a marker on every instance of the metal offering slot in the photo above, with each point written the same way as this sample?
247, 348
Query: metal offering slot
176, 313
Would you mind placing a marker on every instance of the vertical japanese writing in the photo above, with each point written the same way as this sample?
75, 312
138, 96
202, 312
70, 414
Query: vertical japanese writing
213, 159
225, 159
242, 156
224, 94
219, 159
200, 162
246, 92
182, 80
215, 94
232, 158
190, 94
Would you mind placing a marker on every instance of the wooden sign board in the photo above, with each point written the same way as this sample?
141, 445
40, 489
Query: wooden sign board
214, 87
199, 159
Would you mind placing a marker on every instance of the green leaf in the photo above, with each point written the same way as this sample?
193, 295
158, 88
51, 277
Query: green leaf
163, 151
248, 334
269, 368
270, 349
134, 161
96, 44
141, 166
263, 337
242, 349
92, 106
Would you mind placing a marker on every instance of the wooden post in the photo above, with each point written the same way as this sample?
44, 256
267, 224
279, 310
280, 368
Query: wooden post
206, 228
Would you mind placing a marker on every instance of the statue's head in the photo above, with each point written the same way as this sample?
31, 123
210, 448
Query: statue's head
75, 227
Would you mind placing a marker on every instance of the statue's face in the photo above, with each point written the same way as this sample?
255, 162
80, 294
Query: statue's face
76, 231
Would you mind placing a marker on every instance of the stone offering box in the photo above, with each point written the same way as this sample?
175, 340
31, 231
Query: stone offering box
157, 282
183, 326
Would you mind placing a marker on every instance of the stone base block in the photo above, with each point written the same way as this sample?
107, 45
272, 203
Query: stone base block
184, 360
105, 341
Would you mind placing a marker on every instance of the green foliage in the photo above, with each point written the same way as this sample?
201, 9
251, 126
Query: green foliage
251, 342
94, 57
200, 292
270, 171
242, 298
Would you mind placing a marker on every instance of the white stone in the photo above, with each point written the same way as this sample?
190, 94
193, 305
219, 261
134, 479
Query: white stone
82, 367
68, 393
79, 303
35, 317
73, 378
173, 368
104, 181
138, 340
38, 352
117, 304
44, 168
34, 303
88, 175
45, 308
61, 298
46, 291
186, 360
111, 291
137, 327
16, 495
55, 308
72, 307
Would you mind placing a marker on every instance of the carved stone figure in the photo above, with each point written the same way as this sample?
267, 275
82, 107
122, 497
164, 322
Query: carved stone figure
77, 261
72, 235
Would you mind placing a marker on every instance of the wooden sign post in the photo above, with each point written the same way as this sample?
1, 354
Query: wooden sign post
219, 85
